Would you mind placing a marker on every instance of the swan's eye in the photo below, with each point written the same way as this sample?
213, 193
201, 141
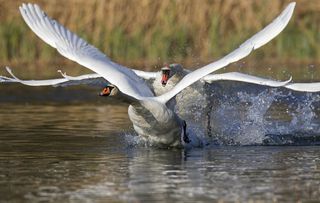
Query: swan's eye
106, 91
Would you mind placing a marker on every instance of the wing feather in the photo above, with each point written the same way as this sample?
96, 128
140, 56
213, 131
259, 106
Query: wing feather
256, 41
97, 80
88, 79
75, 48
241, 77
304, 87
49, 82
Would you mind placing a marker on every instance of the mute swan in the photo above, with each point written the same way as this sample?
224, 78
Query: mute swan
151, 117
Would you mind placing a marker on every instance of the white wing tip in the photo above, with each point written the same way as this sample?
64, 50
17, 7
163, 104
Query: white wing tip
25, 6
11, 73
282, 21
13, 79
286, 82
63, 74
289, 10
8, 69
292, 4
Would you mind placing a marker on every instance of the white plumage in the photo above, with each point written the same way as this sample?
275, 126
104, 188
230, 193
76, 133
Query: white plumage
150, 116
76, 49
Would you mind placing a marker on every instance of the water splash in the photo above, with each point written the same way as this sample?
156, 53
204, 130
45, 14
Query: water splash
232, 113
304, 118
265, 116
240, 118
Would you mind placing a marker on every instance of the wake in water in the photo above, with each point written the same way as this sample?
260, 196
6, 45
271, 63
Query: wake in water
233, 113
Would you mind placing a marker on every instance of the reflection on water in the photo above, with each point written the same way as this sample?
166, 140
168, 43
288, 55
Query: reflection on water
65, 146
69, 160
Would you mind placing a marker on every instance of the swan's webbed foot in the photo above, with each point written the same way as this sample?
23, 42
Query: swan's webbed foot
185, 135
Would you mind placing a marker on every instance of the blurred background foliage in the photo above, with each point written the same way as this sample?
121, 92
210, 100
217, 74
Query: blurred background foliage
149, 32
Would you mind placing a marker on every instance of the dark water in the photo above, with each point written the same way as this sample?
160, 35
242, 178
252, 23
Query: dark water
70, 146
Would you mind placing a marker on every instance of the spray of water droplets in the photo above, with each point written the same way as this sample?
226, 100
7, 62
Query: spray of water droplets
232, 113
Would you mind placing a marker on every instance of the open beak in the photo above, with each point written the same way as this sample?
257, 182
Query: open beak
165, 77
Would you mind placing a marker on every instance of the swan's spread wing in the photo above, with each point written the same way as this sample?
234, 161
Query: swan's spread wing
256, 41
14, 79
145, 75
4, 79
241, 77
92, 79
235, 76
73, 47
80, 77
60, 82
304, 87
96, 77
96, 80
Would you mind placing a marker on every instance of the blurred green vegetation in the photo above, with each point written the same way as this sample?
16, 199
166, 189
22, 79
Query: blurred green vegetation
157, 32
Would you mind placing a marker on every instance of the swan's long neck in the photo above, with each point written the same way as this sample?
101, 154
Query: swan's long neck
157, 123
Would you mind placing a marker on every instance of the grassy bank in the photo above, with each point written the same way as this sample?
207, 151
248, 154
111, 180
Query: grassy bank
164, 31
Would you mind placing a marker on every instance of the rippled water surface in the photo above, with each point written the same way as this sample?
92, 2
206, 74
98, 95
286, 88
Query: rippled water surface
67, 146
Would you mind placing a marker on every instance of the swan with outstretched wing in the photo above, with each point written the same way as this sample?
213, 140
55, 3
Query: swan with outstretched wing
130, 75
175, 76
95, 79
150, 116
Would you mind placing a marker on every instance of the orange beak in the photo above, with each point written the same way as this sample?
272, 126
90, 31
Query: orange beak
165, 77
105, 92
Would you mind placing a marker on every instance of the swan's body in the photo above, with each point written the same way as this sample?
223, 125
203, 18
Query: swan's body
151, 117
156, 123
